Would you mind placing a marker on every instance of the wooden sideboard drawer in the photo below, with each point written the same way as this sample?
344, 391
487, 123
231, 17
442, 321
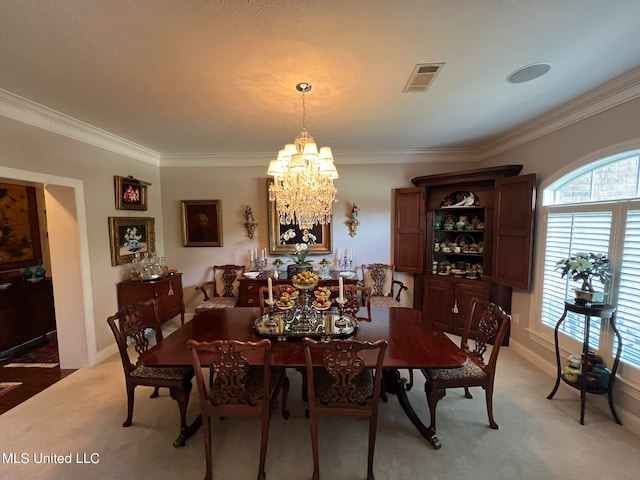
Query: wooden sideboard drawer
167, 291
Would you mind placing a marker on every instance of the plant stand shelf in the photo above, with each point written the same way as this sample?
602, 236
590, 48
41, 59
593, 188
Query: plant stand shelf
588, 311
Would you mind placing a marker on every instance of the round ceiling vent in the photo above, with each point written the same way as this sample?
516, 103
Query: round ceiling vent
528, 73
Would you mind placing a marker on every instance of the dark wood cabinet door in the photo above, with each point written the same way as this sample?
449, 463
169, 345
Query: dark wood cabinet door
409, 238
464, 294
513, 235
167, 291
438, 302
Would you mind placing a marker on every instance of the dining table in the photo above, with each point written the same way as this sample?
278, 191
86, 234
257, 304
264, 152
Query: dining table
414, 343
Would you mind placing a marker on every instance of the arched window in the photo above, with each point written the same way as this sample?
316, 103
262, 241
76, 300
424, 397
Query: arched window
596, 208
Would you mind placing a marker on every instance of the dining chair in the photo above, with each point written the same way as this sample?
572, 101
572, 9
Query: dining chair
491, 323
222, 291
356, 297
245, 385
380, 277
341, 383
130, 328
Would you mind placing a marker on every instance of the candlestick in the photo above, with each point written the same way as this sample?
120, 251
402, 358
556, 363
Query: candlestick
270, 285
251, 250
341, 289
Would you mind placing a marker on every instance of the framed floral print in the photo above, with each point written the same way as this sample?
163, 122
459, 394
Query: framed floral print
19, 230
131, 194
129, 235
283, 238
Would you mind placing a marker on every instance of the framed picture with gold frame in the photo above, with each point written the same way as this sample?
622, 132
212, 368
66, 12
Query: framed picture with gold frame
20, 233
283, 238
131, 194
201, 223
129, 235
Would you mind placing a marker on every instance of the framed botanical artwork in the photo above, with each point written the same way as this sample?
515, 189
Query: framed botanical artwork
129, 235
19, 230
201, 223
131, 194
283, 238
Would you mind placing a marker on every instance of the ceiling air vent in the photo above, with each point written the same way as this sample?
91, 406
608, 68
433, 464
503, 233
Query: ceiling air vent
422, 76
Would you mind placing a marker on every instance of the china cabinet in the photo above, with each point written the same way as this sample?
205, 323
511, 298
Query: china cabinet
465, 234
167, 291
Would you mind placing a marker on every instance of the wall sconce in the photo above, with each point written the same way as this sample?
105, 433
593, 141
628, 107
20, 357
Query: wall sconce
353, 221
249, 223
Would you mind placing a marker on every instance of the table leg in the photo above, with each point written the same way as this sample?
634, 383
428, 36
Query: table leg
190, 430
614, 369
395, 385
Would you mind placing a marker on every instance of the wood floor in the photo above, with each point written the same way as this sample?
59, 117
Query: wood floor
34, 380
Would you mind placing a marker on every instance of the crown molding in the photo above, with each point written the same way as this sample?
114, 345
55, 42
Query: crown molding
617, 91
26, 111
621, 89
438, 155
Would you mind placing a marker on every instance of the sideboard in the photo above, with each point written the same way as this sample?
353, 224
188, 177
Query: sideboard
249, 287
26, 312
167, 291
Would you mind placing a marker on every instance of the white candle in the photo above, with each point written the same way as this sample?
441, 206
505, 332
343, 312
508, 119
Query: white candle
351, 254
264, 253
251, 250
341, 285
339, 254
270, 285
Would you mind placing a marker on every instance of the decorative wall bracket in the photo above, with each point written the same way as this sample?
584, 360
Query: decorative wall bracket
249, 223
353, 221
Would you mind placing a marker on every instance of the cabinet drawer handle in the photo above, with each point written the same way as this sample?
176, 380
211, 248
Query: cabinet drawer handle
455, 307
250, 300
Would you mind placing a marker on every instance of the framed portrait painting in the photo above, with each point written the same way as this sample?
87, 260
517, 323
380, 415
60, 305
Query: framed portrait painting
130, 235
131, 194
19, 230
283, 238
201, 223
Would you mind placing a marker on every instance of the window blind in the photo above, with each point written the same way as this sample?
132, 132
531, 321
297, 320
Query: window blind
627, 316
569, 233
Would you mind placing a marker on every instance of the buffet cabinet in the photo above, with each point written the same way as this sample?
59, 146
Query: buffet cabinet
167, 291
465, 234
249, 288
27, 312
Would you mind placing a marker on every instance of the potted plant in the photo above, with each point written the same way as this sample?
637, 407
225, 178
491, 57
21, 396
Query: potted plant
277, 263
586, 267
324, 268
299, 258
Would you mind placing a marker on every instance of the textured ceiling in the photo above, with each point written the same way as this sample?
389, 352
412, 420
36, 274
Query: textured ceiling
218, 77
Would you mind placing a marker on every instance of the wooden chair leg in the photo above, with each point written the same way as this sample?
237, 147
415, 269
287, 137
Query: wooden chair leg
433, 397
313, 425
489, 398
373, 422
467, 393
264, 438
206, 430
130, 399
155, 393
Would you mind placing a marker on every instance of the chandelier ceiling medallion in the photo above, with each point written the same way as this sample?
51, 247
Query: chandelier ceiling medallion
303, 179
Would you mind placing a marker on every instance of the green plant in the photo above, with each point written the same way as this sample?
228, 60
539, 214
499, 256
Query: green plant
277, 262
325, 261
585, 267
300, 257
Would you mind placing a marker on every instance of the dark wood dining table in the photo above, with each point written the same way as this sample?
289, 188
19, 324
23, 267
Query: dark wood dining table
413, 344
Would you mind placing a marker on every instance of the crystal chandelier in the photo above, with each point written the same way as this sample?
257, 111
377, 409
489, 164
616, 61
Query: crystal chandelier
303, 179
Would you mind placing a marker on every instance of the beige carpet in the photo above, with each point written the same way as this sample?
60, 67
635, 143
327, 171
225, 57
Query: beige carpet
82, 416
